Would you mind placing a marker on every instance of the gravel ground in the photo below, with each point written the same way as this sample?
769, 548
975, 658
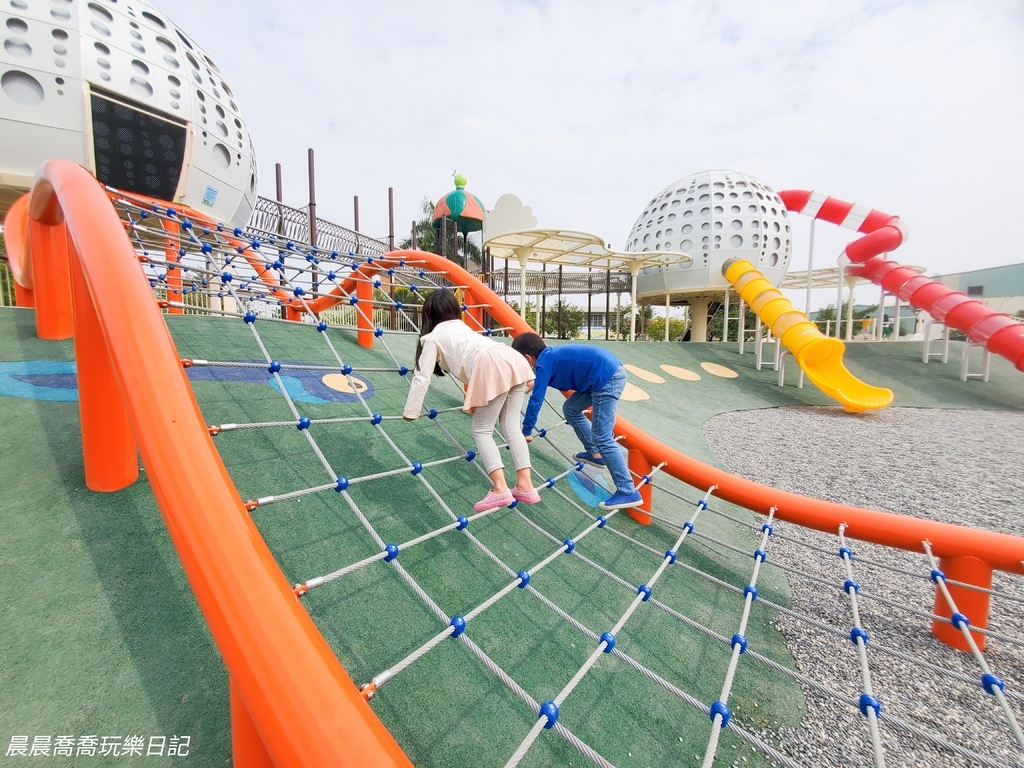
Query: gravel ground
964, 467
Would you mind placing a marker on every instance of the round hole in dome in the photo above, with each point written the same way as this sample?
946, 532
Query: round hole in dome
17, 48
140, 67
100, 28
736, 241
22, 88
141, 87
60, 14
154, 19
16, 25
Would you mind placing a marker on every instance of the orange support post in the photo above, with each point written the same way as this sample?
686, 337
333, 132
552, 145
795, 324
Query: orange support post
970, 602
108, 444
173, 228
51, 285
364, 316
638, 463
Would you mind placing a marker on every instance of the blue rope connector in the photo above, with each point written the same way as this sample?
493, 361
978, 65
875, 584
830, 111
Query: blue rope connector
609, 641
937, 575
401, 262
392, 552
398, 305
602, 521
171, 213
378, 332
391, 271
225, 277
403, 370
760, 556
718, 708
647, 480
346, 369
702, 504
470, 455
542, 432
463, 523
416, 467
524, 579
550, 482
851, 587
249, 317
341, 484
845, 553
990, 682
688, 526
422, 273
751, 591
290, 245
376, 418
298, 290
432, 414
460, 625
412, 287
866, 702
959, 621
570, 545
644, 590
331, 275
206, 248
274, 367
549, 710
321, 326
304, 423
858, 633
739, 640
670, 555
353, 300
488, 332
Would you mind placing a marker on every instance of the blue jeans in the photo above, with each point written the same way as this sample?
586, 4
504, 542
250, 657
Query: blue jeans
597, 434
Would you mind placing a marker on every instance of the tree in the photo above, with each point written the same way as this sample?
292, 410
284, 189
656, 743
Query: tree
829, 314
656, 329
644, 315
572, 319
716, 322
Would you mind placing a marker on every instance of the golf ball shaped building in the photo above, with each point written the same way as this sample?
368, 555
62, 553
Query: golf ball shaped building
117, 87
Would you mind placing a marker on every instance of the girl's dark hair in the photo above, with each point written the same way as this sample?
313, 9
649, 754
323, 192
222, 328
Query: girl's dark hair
440, 306
529, 344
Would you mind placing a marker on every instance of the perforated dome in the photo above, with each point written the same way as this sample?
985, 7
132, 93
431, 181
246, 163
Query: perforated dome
118, 88
713, 216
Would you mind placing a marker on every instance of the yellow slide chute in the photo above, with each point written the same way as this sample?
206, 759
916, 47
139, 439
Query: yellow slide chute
818, 355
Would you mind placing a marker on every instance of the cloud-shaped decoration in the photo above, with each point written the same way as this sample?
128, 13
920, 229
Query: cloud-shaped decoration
508, 215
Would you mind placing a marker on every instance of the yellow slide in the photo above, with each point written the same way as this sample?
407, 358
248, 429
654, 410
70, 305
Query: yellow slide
820, 356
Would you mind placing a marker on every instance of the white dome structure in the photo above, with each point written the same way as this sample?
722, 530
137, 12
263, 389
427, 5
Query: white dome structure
115, 86
713, 216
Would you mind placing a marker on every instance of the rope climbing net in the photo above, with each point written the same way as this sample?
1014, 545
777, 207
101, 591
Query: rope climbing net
533, 636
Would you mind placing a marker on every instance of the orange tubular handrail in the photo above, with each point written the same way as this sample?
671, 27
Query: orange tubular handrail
292, 702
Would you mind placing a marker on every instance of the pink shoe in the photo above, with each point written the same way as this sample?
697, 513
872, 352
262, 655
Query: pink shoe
525, 497
493, 500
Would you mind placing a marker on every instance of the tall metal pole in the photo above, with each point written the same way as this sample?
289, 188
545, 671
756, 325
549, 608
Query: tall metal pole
314, 276
391, 218
559, 301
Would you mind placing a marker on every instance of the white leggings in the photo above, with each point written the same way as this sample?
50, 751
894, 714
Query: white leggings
507, 410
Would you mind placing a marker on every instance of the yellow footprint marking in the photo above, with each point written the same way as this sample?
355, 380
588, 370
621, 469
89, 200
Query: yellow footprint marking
633, 394
646, 375
681, 373
339, 383
719, 370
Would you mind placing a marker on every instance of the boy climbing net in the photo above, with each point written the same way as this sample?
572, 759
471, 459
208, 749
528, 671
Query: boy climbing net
597, 378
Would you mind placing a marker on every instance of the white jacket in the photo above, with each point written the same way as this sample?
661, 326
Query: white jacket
456, 347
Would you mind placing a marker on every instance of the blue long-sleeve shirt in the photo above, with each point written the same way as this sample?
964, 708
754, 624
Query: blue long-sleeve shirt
579, 367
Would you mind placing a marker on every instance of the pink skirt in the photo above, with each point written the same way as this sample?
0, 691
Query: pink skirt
495, 372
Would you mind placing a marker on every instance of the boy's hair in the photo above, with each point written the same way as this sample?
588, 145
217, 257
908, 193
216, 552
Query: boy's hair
439, 307
529, 344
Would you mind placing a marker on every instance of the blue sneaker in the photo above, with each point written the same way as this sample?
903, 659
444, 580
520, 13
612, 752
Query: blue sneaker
588, 458
620, 500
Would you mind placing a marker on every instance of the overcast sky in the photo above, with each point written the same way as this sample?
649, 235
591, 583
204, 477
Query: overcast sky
586, 109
